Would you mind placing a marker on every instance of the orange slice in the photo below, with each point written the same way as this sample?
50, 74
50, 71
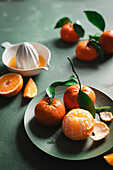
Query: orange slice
78, 124
106, 116
30, 90
109, 159
10, 84
101, 130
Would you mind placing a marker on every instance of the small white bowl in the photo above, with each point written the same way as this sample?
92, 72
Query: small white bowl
10, 51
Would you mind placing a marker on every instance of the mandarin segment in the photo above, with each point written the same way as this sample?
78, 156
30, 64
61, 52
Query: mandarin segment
10, 84
78, 124
30, 90
109, 159
71, 94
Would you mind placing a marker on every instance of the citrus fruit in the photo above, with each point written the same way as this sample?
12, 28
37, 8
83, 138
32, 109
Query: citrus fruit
101, 130
106, 116
86, 51
109, 159
30, 90
78, 124
68, 34
106, 41
49, 114
10, 84
71, 94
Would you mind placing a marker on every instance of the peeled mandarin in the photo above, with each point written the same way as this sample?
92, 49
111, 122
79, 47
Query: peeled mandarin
78, 124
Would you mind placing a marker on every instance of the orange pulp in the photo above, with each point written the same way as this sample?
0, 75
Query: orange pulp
12, 62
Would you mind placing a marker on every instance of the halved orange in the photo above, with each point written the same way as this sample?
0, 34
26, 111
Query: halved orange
109, 159
30, 90
78, 124
10, 84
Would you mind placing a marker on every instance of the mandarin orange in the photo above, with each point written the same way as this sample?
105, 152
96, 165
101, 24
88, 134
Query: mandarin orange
78, 124
106, 41
71, 94
49, 114
86, 51
68, 34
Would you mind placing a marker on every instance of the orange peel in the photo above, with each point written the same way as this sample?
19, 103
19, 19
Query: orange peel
30, 90
101, 130
106, 116
109, 159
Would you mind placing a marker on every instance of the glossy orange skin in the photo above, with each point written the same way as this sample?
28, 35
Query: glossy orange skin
71, 94
68, 34
106, 41
85, 51
49, 115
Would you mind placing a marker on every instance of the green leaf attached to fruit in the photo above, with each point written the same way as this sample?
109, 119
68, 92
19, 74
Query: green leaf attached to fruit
95, 36
96, 19
62, 22
78, 29
50, 92
86, 103
97, 47
69, 82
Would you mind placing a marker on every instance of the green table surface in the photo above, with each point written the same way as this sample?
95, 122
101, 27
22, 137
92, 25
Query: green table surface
34, 21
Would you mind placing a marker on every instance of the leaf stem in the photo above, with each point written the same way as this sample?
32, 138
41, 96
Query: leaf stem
74, 71
50, 101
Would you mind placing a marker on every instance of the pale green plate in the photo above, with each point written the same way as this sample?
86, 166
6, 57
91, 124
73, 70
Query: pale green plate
52, 140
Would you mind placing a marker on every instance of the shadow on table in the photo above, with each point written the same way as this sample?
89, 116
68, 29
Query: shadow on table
5, 101
91, 64
41, 131
59, 43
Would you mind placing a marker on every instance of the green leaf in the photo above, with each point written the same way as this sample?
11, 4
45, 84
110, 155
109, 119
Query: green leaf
86, 103
62, 22
103, 108
95, 36
69, 82
98, 48
78, 29
50, 92
96, 19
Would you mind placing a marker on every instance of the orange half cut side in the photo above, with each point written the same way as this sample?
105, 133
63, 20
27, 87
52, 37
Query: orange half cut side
10, 84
